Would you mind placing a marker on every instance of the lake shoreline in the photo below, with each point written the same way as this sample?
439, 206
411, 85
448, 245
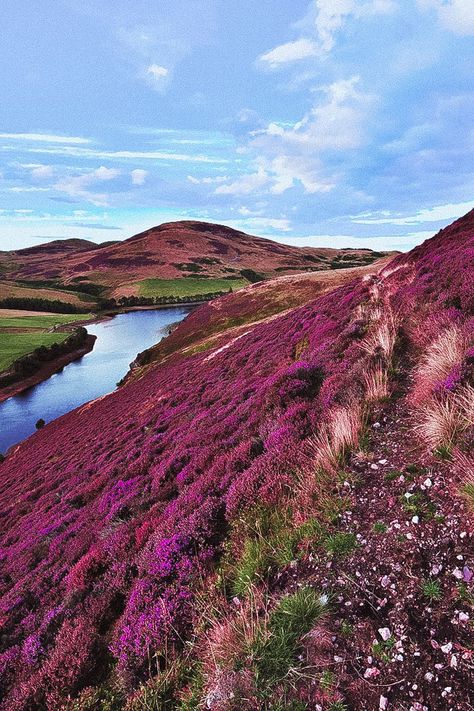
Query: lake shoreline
48, 369
54, 366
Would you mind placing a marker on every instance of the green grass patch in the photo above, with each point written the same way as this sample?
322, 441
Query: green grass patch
189, 286
34, 334
43, 322
271, 542
16, 345
340, 544
275, 653
431, 589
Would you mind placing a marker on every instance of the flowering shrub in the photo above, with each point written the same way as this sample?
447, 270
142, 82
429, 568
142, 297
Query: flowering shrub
114, 515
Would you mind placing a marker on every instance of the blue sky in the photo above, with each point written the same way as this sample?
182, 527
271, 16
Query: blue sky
331, 122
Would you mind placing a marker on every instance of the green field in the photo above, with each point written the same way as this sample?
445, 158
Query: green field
192, 286
43, 322
33, 334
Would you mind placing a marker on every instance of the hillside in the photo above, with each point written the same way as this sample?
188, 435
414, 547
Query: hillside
274, 512
146, 263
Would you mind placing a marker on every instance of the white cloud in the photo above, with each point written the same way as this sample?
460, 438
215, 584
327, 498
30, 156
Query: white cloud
438, 213
207, 181
138, 176
42, 172
455, 15
290, 52
246, 184
78, 186
27, 189
157, 76
286, 156
123, 155
257, 224
44, 137
157, 72
325, 19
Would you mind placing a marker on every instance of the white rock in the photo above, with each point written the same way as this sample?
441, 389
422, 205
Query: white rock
385, 582
463, 617
446, 648
428, 483
383, 703
458, 574
429, 676
415, 519
383, 461
374, 467
376, 425
453, 663
385, 633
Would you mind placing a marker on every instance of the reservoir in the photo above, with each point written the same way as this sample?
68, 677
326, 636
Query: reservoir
119, 340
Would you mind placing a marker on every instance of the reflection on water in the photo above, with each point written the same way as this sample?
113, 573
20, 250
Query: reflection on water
95, 374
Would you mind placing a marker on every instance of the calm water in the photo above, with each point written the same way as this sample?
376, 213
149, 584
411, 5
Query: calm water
118, 342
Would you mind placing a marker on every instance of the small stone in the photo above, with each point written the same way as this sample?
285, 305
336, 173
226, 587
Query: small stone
467, 574
428, 483
383, 461
374, 467
463, 617
385, 633
376, 425
458, 574
415, 519
429, 676
383, 703
385, 582
371, 673
446, 648
454, 662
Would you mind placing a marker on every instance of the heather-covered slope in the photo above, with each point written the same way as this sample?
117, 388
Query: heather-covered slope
273, 522
172, 251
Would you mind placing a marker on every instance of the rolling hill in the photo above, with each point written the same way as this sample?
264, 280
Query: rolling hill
152, 262
275, 511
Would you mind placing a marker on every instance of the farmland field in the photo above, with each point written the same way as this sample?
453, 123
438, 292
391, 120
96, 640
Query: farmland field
20, 335
191, 286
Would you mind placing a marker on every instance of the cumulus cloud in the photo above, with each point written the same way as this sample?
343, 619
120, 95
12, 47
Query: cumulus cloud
289, 155
454, 15
77, 186
138, 176
38, 171
246, 184
326, 18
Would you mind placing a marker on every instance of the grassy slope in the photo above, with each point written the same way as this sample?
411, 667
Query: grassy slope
189, 286
21, 335
16, 290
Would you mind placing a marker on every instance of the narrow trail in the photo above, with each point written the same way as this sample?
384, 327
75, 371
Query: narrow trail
402, 599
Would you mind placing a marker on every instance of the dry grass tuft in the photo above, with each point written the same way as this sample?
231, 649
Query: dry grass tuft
376, 383
340, 434
443, 355
381, 340
464, 467
444, 418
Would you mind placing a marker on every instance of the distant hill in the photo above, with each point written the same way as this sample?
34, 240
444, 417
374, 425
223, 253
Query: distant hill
177, 250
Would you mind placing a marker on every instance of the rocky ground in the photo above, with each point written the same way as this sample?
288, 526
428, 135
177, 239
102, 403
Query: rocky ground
402, 590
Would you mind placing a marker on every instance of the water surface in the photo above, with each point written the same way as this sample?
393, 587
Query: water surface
95, 374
